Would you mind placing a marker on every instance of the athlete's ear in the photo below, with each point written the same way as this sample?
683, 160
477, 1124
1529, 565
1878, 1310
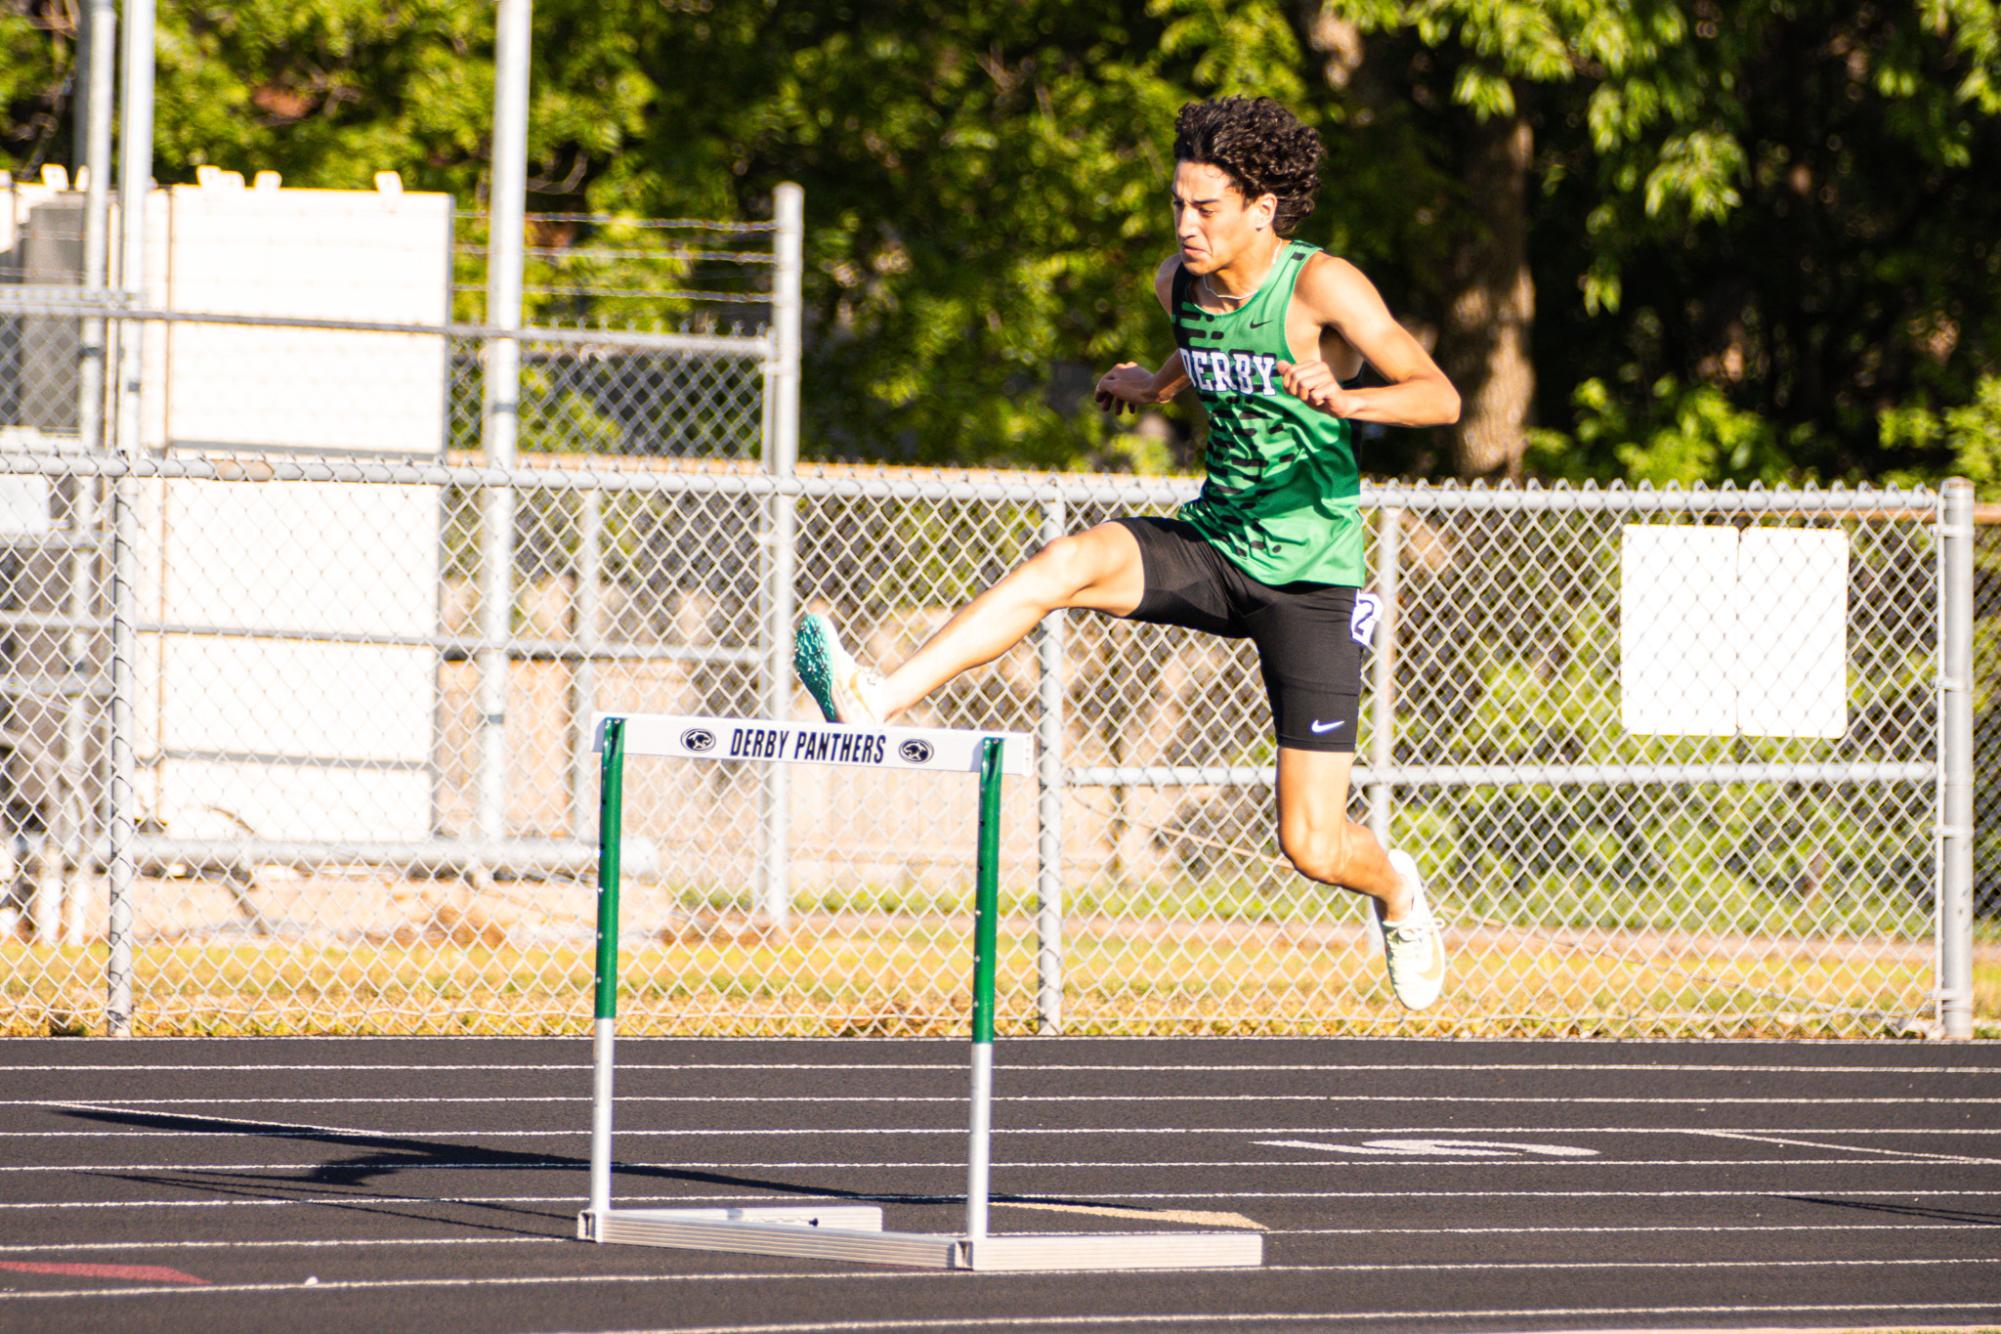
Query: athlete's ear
1267, 209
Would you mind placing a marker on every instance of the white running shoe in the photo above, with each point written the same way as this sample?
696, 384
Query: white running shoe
845, 692
1412, 949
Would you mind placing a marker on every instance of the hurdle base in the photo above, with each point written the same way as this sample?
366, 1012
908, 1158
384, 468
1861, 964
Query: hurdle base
854, 1233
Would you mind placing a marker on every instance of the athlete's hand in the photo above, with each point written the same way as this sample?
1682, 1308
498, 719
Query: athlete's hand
1126, 387
1315, 384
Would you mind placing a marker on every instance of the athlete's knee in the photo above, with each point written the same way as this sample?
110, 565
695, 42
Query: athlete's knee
1318, 852
1067, 565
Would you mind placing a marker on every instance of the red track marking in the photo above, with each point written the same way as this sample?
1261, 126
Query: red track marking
133, 1273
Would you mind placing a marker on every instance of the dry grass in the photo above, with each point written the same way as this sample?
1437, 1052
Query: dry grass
866, 977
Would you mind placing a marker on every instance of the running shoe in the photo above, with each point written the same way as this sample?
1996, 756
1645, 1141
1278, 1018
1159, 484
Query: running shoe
845, 692
1412, 949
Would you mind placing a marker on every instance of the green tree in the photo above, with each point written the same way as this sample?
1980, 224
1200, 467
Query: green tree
1739, 237
1784, 208
1793, 206
37, 62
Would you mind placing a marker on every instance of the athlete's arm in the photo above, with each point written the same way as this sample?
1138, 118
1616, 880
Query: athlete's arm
1129, 386
1337, 296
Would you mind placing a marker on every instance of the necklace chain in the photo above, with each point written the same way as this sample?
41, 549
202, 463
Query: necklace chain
1218, 295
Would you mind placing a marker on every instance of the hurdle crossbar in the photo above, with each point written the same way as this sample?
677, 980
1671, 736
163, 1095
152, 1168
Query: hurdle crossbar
849, 1232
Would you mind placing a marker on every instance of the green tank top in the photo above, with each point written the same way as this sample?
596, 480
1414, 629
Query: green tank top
1282, 499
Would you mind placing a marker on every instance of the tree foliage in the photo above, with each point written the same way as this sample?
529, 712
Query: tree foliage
1747, 240
37, 55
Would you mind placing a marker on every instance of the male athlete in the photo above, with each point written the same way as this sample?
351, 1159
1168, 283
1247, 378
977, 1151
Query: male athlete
1267, 330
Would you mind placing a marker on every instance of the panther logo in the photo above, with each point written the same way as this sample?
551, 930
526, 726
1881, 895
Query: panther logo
698, 739
915, 751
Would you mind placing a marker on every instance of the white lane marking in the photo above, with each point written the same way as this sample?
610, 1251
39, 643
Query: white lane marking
875, 1098
1182, 1216
572, 1198
959, 1067
1232, 1318
564, 1240
1228, 1319
1898, 1159
1632, 1229
293, 1130
1850, 1148
367, 1201
567, 1240
533, 1280
1440, 1148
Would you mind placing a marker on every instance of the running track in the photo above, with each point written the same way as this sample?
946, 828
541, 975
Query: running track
433, 1184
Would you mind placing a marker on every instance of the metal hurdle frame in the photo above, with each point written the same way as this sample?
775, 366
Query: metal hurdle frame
849, 1232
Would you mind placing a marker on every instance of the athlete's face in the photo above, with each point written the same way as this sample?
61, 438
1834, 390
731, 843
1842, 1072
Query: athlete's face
1212, 220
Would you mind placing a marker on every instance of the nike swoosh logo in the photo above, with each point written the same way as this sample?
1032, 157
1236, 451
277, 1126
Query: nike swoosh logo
1319, 727
1435, 969
1259, 324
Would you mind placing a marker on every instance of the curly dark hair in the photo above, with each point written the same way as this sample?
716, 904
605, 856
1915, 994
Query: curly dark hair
1260, 146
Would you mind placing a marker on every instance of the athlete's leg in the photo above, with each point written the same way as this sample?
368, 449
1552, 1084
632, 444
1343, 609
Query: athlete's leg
1311, 659
1325, 845
1098, 570
1319, 839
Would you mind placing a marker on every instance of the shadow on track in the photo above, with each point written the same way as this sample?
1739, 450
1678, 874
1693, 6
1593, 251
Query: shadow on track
418, 1154
1933, 1211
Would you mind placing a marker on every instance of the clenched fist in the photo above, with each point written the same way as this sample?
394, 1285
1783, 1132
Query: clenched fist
1315, 384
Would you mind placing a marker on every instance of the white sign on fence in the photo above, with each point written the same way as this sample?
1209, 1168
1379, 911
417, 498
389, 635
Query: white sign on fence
1729, 633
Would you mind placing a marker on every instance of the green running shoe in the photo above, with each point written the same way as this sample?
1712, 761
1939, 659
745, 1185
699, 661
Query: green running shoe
1412, 948
844, 691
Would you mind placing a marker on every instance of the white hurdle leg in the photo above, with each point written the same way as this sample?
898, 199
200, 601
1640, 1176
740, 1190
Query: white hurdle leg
601, 1117
978, 1143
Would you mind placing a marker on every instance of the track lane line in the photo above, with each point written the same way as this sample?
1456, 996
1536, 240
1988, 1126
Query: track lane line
1851, 1148
565, 1239
1895, 1158
1232, 1318
959, 1067
572, 1200
70, 1248
872, 1099
296, 1130
769, 1277
289, 1129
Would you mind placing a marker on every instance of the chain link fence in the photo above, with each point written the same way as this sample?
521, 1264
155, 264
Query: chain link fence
312, 759
296, 698
1987, 727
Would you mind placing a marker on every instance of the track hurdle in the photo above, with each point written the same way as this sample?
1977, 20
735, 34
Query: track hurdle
849, 1232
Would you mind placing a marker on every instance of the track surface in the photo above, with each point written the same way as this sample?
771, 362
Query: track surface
433, 1184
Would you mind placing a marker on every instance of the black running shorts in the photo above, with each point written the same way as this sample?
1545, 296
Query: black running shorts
1309, 636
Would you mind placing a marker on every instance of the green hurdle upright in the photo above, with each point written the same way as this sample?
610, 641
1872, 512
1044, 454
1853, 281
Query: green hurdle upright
849, 1232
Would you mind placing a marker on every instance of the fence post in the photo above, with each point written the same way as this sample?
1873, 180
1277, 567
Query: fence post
1383, 669
500, 422
135, 181
1955, 872
781, 458
583, 678
100, 32
71, 837
1049, 685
